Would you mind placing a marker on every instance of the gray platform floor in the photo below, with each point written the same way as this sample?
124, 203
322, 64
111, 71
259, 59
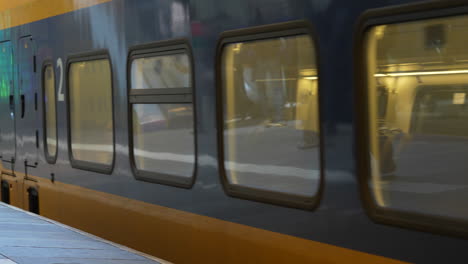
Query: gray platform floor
26, 238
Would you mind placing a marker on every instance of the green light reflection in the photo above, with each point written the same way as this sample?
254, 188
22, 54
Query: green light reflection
6, 67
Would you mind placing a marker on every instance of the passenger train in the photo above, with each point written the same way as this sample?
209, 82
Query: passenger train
248, 131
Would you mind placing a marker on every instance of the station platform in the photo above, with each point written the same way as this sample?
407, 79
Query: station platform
26, 238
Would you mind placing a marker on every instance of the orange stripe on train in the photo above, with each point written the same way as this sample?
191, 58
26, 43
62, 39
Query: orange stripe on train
19, 12
180, 236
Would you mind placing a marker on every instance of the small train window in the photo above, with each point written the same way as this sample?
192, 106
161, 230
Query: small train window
91, 122
7, 109
415, 130
269, 115
50, 114
162, 113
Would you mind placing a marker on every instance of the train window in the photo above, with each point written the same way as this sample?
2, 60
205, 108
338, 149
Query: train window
167, 71
90, 109
269, 116
50, 127
416, 113
162, 113
7, 106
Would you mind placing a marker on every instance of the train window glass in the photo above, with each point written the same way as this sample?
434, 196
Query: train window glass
167, 71
163, 138
90, 103
417, 114
50, 113
271, 117
7, 109
162, 114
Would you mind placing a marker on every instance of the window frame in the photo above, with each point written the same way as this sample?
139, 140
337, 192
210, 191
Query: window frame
49, 158
265, 32
80, 164
384, 16
161, 96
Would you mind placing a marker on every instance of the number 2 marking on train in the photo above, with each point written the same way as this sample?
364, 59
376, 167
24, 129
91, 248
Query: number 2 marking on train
60, 95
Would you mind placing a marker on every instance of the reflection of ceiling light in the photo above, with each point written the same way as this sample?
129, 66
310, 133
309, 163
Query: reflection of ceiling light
276, 80
380, 31
308, 72
237, 47
287, 79
396, 74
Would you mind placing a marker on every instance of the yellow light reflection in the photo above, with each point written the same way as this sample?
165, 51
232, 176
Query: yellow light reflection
398, 74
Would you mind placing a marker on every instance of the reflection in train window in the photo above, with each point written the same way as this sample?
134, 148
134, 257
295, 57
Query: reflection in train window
91, 122
50, 127
270, 115
159, 129
418, 114
166, 71
162, 120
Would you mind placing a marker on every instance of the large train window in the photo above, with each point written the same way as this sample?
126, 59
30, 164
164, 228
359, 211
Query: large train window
413, 133
162, 113
268, 107
50, 115
91, 126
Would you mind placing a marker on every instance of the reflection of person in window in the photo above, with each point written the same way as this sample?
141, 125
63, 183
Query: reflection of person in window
250, 97
385, 133
269, 71
387, 163
306, 113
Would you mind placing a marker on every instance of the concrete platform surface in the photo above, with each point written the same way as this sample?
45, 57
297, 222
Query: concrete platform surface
26, 238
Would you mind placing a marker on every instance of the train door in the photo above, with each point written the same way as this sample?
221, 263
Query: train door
9, 184
27, 133
27, 118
